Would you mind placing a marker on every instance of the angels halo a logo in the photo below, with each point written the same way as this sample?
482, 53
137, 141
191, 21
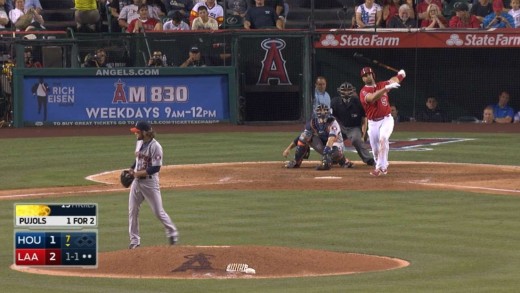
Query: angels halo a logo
273, 64
413, 144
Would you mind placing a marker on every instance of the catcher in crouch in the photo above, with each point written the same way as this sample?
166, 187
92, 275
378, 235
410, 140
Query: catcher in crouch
323, 134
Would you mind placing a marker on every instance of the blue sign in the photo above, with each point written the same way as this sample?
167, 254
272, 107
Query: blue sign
113, 100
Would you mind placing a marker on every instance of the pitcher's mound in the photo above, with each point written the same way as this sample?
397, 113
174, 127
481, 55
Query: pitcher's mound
185, 262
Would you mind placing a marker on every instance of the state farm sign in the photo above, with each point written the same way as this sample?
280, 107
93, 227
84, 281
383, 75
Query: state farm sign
497, 40
361, 41
419, 39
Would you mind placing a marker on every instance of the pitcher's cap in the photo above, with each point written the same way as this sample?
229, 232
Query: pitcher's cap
141, 126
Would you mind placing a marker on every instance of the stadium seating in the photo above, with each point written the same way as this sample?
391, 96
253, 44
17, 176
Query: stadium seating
58, 14
327, 14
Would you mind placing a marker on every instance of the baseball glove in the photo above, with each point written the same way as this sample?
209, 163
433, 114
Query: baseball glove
126, 178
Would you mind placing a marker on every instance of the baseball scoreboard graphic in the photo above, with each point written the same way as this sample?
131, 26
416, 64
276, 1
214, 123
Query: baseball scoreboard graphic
56, 235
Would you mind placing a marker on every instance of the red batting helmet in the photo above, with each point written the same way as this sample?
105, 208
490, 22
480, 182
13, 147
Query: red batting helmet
367, 70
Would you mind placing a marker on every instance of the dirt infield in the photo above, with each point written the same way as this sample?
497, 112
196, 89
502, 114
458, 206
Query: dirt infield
274, 262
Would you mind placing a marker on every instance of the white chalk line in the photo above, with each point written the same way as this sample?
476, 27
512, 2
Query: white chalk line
465, 186
60, 193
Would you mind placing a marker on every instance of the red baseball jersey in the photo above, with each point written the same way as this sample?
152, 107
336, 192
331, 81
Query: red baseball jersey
381, 107
148, 25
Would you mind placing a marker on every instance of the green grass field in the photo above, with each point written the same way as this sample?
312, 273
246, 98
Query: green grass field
456, 241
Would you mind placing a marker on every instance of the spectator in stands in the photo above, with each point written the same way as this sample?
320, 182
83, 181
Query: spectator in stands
481, 9
130, 12
431, 112
279, 8
369, 14
321, 97
422, 10
183, 6
4, 19
35, 4
261, 16
159, 8
86, 15
29, 20
498, 18
398, 118
144, 22
30, 62
214, 10
195, 58
517, 117
7, 6
395, 113
176, 23
515, 12
98, 60
501, 111
487, 115
277, 5
391, 9
434, 19
115, 7
203, 21
462, 18
237, 7
402, 19
156, 60
4, 14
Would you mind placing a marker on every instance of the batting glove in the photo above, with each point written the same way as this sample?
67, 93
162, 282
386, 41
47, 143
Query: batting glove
402, 73
393, 85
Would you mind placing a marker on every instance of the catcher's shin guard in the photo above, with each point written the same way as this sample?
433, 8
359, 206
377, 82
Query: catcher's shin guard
300, 152
307, 152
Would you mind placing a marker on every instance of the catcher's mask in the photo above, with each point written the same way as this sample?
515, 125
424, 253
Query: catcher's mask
347, 90
322, 111
367, 70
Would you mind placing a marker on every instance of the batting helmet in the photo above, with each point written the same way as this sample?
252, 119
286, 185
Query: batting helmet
367, 70
346, 89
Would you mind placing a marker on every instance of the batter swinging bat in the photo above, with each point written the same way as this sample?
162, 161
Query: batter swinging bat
361, 57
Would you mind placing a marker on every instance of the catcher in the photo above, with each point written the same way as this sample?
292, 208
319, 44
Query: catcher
323, 134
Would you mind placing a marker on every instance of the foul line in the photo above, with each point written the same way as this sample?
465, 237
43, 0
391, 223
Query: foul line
61, 193
466, 187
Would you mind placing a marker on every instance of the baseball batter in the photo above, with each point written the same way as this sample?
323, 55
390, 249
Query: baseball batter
374, 98
323, 134
145, 169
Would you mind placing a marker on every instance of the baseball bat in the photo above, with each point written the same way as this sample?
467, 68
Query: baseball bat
361, 57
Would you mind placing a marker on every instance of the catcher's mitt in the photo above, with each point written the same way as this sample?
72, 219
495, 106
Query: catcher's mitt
126, 178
